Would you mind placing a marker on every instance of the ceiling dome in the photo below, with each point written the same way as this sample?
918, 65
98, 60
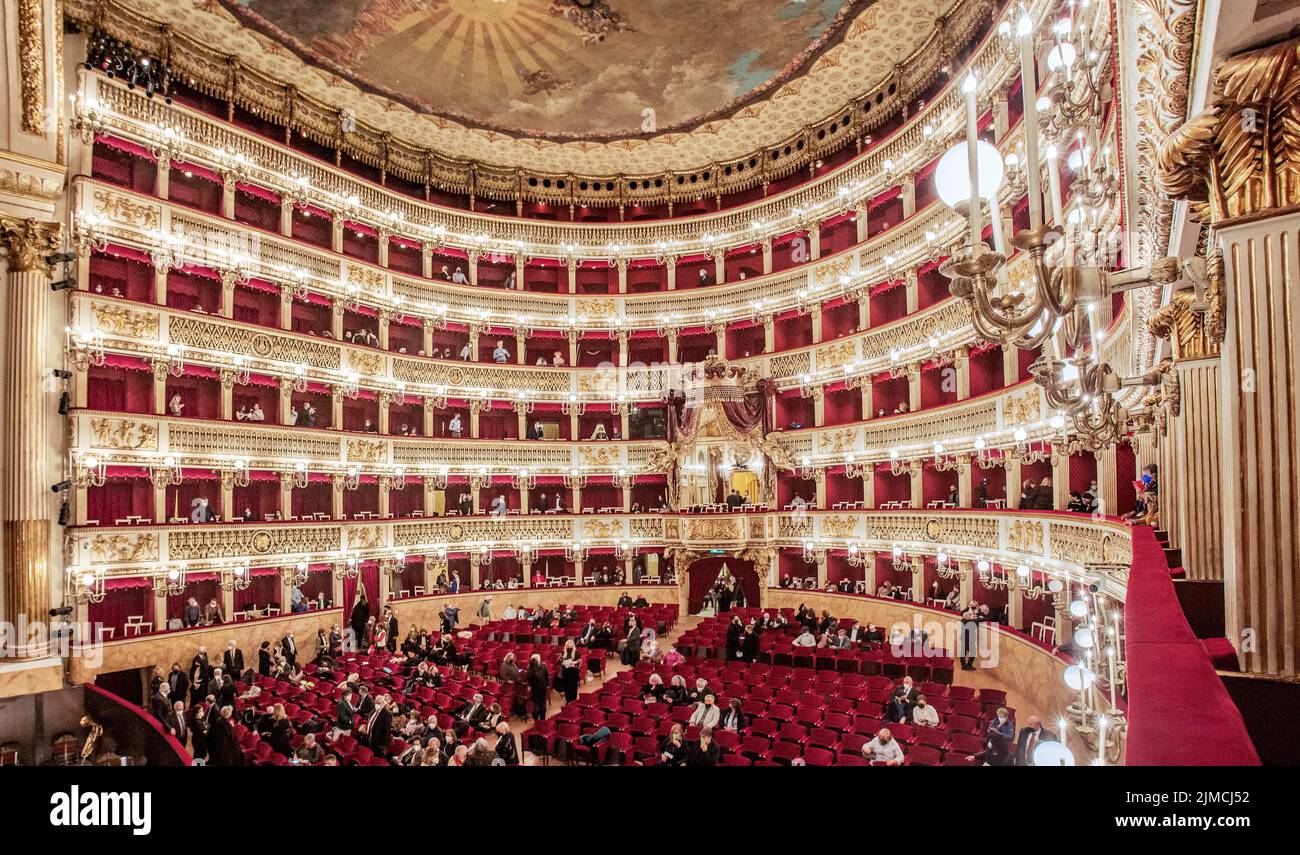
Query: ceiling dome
591, 69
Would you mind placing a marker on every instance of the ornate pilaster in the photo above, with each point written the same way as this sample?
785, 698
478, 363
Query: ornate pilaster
1238, 164
27, 435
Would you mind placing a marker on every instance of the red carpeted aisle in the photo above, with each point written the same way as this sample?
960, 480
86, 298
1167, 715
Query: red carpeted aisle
1180, 714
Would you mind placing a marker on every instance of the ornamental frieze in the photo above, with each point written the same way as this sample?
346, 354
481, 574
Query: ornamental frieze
1025, 536
249, 342
124, 210
123, 548
708, 529
603, 529
469, 530
240, 542
839, 526
837, 355
364, 362
124, 434
367, 450
366, 279
119, 320
365, 537
1022, 408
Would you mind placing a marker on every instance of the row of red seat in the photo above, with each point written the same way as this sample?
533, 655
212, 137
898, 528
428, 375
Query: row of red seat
820, 729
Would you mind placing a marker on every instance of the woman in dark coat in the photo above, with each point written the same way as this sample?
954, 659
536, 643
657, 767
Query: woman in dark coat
734, 632
264, 659
360, 617
223, 747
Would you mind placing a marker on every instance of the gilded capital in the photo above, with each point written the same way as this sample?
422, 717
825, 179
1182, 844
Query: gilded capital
1185, 325
27, 242
1242, 155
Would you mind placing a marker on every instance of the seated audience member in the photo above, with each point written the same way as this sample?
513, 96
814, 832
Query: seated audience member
734, 719
924, 715
706, 712
705, 752
471, 716
884, 749
1003, 724
805, 639
654, 690
309, 751
672, 749
997, 751
897, 709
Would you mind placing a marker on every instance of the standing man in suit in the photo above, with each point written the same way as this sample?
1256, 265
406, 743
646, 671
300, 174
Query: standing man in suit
232, 661
161, 704
345, 717
1030, 735
176, 724
392, 629
365, 703
377, 730
217, 682
290, 649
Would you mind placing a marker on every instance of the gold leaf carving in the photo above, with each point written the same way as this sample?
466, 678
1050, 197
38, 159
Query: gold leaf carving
119, 320
122, 549
124, 434
366, 450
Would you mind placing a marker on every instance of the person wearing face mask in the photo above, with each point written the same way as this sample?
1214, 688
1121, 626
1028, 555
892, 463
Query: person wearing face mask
705, 752
706, 713
924, 715
1001, 723
898, 709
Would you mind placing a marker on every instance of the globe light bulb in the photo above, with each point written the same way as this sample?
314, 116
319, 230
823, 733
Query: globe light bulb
952, 175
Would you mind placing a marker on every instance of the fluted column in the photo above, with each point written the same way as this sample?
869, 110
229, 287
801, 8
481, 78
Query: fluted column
1246, 191
1196, 470
27, 434
1261, 443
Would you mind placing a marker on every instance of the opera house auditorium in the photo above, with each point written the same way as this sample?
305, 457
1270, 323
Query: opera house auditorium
607, 383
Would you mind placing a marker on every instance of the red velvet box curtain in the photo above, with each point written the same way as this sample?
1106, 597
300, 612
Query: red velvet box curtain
123, 598
704, 573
